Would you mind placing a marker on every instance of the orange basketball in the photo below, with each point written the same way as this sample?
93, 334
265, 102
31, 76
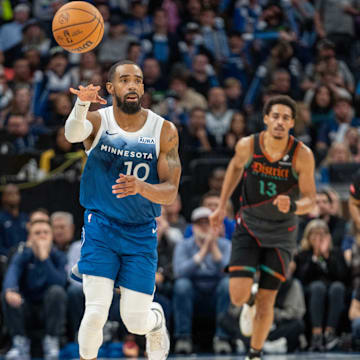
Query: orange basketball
78, 26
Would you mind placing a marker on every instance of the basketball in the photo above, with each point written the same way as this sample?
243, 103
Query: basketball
78, 27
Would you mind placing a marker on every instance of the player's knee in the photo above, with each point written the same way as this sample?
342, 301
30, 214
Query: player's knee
95, 317
240, 290
135, 322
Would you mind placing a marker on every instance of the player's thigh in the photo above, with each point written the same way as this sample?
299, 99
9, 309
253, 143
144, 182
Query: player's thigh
139, 259
274, 263
98, 258
244, 261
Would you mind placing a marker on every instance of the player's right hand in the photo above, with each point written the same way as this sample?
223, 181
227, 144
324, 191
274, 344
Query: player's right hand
89, 93
217, 218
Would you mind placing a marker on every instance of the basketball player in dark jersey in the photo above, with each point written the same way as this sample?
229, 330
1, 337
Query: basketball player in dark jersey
277, 179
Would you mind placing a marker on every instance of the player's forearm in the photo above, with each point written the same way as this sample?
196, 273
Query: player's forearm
77, 127
305, 205
232, 178
164, 193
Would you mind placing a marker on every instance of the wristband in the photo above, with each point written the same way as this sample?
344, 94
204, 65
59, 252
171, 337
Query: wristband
293, 206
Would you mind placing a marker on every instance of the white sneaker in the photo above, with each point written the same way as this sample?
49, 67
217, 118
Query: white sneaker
158, 341
51, 347
20, 349
246, 319
278, 346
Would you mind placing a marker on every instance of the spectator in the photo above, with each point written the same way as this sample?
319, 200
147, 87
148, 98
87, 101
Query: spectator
134, 52
336, 129
192, 44
211, 200
198, 264
354, 200
22, 74
154, 79
34, 37
56, 79
237, 131
63, 228
12, 220
61, 106
237, 64
338, 153
21, 135
215, 39
218, 117
203, 76
33, 288
174, 216
233, 91
195, 139
352, 139
160, 43
139, 24
6, 95
88, 66
323, 271
114, 47
302, 130
11, 33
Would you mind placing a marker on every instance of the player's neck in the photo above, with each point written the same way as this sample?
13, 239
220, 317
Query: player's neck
130, 122
273, 146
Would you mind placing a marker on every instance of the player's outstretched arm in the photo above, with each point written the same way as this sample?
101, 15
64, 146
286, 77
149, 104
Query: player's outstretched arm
169, 170
233, 175
305, 167
82, 125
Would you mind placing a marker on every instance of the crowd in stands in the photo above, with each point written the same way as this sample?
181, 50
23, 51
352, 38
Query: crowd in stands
208, 66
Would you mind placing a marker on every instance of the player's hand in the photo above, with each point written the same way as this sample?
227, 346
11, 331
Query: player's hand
283, 203
89, 93
126, 185
13, 298
217, 218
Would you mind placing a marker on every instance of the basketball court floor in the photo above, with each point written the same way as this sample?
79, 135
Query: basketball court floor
302, 356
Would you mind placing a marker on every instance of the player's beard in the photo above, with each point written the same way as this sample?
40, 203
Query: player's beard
128, 107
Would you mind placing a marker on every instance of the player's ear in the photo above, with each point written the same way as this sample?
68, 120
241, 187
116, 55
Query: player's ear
142, 89
266, 118
110, 88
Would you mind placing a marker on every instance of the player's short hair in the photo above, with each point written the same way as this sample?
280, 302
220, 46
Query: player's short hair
113, 68
280, 100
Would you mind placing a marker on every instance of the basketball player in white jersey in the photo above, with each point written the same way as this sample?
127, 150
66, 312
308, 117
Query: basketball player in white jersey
132, 169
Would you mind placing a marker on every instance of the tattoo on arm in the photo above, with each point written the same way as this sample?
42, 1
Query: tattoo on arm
172, 158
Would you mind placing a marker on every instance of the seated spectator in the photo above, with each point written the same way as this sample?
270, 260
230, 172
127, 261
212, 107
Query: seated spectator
237, 131
61, 109
87, 68
22, 137
22, 75
12, 220
302, 129
324, 211
233, 92
139, 23
63, 228
200, 284
35, 37
173, 215
34, 287
114, 47
218, 117
154, 79
57, 78
354, 316
6, 96
352, 139
323, 272
203, 76
336, 129
338, 153
195, 139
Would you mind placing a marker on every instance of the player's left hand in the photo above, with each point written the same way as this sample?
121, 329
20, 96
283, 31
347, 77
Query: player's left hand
126, 185
283, 203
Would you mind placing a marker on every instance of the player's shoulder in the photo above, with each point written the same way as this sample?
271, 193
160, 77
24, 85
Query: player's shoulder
304, 153
245, 143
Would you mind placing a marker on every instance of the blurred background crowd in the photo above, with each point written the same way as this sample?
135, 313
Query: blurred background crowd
209, 66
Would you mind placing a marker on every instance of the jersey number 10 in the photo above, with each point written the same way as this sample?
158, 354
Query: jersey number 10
135, 171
